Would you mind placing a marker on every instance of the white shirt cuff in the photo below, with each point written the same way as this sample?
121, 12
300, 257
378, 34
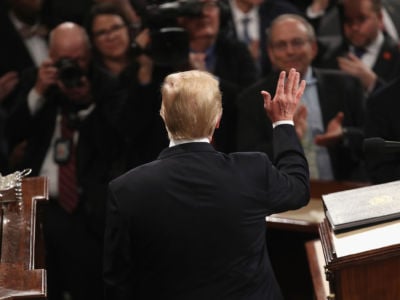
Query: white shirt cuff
287, 122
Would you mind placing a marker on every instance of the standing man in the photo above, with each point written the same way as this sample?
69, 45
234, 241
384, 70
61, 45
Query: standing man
330, 116
191, 225
61, 131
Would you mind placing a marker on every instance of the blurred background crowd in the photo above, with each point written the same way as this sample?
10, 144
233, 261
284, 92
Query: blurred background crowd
79, 95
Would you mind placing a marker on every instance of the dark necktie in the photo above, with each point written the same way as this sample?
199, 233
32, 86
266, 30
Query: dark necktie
246, 35
67, 182
359, 51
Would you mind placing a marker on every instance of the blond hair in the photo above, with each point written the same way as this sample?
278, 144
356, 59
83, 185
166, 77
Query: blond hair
191, 104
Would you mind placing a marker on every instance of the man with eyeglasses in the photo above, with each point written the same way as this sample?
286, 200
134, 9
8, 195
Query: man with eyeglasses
367, 52
330, 116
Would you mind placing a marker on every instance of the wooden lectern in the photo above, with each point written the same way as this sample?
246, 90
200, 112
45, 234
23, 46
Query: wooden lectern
289, 231
22, 274
359, 264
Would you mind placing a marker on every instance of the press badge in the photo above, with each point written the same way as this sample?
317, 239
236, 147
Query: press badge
62, 150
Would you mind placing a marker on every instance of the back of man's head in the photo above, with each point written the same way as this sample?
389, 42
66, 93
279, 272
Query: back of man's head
191, 104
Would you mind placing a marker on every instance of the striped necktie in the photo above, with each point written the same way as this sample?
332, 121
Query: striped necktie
67, 181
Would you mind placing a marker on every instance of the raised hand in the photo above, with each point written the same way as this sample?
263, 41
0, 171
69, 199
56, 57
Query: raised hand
47, 77
287, 96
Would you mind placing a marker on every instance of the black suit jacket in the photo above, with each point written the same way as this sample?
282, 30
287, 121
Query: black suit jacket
191, 225
337, 92
383, 121
387, 65
14, 56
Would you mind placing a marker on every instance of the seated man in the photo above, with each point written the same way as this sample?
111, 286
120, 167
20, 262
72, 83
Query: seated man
367, 51
330, 117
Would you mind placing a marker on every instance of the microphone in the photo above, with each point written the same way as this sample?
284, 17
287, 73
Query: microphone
377, 145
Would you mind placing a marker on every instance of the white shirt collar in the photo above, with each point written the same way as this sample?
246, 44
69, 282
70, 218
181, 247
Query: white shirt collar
238, 15
185, 141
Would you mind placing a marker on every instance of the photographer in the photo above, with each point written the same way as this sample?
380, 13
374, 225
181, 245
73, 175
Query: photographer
61, 128
119, 69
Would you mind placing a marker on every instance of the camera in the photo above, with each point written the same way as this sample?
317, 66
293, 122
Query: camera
165, 12
69, 72
169, 43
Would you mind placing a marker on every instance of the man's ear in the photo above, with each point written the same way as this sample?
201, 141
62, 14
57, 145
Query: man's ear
217, 123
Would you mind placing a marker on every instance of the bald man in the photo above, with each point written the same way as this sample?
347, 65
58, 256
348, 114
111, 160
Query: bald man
59, 128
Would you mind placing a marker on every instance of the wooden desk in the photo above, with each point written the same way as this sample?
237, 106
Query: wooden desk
21, 252
363, 264
316, 262
288, 233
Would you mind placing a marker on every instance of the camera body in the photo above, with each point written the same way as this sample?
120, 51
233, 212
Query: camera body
169, 11
69, 72
169, 42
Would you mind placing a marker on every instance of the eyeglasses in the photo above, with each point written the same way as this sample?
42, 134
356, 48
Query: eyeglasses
296, 44
101, 34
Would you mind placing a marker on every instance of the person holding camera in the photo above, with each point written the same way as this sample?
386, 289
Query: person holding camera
61, 129
120, 68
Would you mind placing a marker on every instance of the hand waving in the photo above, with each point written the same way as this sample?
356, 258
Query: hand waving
287, 97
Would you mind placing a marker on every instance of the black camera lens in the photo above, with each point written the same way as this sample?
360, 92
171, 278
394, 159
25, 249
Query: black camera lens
69, 73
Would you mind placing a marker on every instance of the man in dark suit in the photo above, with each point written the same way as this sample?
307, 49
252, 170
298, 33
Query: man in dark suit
382, 121
226, 57
60, 124
250, 20
330, 116
367, 52
191, 225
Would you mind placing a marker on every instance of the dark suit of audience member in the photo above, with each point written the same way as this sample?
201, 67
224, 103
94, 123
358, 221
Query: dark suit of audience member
332, 101
382, 121
25, 40
266, 11
191, 225
367, 52
73, 229
225, 57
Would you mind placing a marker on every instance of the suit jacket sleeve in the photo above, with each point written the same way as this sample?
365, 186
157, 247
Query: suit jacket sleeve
117, 264
290, 183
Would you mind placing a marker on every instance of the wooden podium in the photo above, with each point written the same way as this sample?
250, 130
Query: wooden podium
289, 231
359, 264
22, 274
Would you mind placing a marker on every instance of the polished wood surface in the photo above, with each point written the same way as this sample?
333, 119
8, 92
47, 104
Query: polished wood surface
289, 231
22, 274
316, 262
371, 274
